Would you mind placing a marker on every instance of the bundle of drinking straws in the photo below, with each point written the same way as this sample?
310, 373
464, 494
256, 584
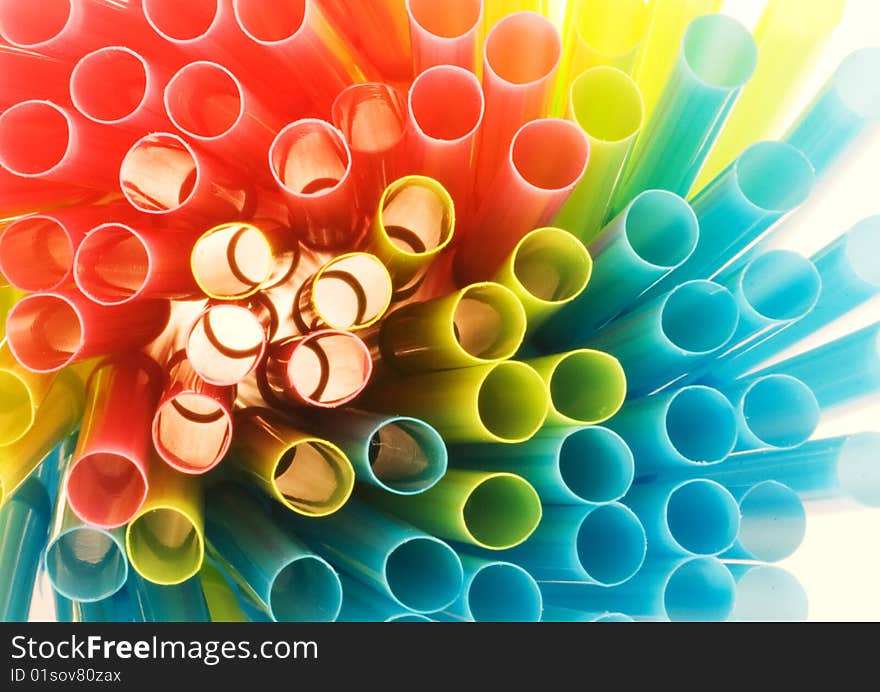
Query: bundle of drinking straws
411, 310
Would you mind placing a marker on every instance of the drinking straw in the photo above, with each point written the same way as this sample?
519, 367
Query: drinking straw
496, 10
765, 593
223, 605
546, 160
122, 606
414, 222
846, 109
26, 75
23, 393
651, 237
363, 604
500, 402
48, 331
670, 335
416, 571
773, 522
496, 591
326, 368
789, 42
773, 411
108, 479
561, 614
599, 544
183, 602
586, 387
717, 57
400, 455
445, 110
192, 426
839, 467
591, 465
547, 270
306, 474
233, 261
607, 105
445, 35
699, 589
668, 509
20, 196
476, 325
495, 511
669, 20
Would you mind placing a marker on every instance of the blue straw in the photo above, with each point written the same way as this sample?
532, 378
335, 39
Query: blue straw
183, 602
765, 593
772, 524
496, 591
123, 606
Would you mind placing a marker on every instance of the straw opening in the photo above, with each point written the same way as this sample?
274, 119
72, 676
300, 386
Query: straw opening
28, 122
612, 27
857, 469
309, 157
550, 154
329, 368
204, 100
488, 322
775, 176
270, 22
418, 217
181, 22
501, 512
225, 344
862, 247
16, 408
701, 425
512, 402
306, 590
29, 25
856, 82
587, 386
699, 317
451, 19
447, 103
699, 590
720, 51
607, 104
504, 592
159, 174
766, 593
780, 411
352, 291
164, 546
44, 332
86, 564
192, 432
596, 465
552, 265
661, 228
773, 522
611, 544
36, 253
423, 574
407, 456
718, 516
781, 285
371, 116
232, 261
313, 478
523, 48
109, 84
112, 265
106, 488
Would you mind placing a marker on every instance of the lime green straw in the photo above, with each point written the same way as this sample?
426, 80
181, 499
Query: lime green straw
222, 601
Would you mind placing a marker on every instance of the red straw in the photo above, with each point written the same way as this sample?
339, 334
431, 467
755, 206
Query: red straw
445, 33
26, 75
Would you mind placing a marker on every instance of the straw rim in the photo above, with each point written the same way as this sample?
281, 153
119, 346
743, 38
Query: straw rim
120, 455
448, 552
55, 296
797, 391
148, 15
537, 605
346, 476
386, 301
576, 247
230, 251
738, 33
705, 563
502, 294
611, 367
491, 369
722, 403
425, 429
517, 16
15, 281
116, 542
441, 192
258, 357
730, 508
164, 138
394, 95
717, 290
643, 25
633, 522
328, 570
524, 487
623, 448
560, 124
183, 72
193, 521
450, 39
37, 45
622, 79
69, 124
457, 71
175, 462
86, 287
290, 38
693, 224
796, 158
78, 67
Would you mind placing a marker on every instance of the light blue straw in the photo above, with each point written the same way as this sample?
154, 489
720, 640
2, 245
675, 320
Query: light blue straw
766, 593
773, 522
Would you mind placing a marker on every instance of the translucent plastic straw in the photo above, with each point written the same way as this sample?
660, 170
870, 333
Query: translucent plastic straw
590, 465
415, 570
699, 589
495, 511
219, 594
765, 593
773, 522
495, 10
179, 603
789, 42
501, 402
607, 105
446, 35
496, 591
306, 474
546, 160
233, 260
671, 335
602, 544
651, 237
23, 393
845, 110
108, 479
477, 325
26, 195
25, 75
717, 57
48, 331
122, 606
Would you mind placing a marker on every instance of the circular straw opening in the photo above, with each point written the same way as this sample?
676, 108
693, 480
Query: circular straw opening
352, 292
176, 22
112, 265
862, 247
587, 386
760, 168
512, 402
780, 411
781, 285
86, 564
773, 523
857, 469
407, 456
159, 174
106, 489
766, 593
611, 544
552, 265
501, 511
423, 574
109, 84
270, 22
550, 154
596, 465
27, 123
192, 432
629, 19
701, 425
607, 104
418, 216
164, 546
232, 261
720, 51
44, 332
855, 83
523, 48
329, 369
314, 478
306, 590
699, 590
16, 408
309, 157
661, 228
488, 322
699, 317
451, 19
28, 25
504, 592
371, 116
225, 344
718, 514
36, 253
459, 96
204, 100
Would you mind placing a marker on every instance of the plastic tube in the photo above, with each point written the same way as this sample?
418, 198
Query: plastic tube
717, 57
415, 570
789, 41
547, 270
307, 475
222, 602
495, 511
48, 331
496, 591
120, 607
671, 335
477, 325
847, 108
108, 479
496, 10
25, 74
590, 465
773, 522
501, 402
192, 426
667, 511
650, 238
765, 593
603, 544
23, 393
178, 603
607, 105
546, 160
20, 196
586, 387
362, 603
232, 261
445, 35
